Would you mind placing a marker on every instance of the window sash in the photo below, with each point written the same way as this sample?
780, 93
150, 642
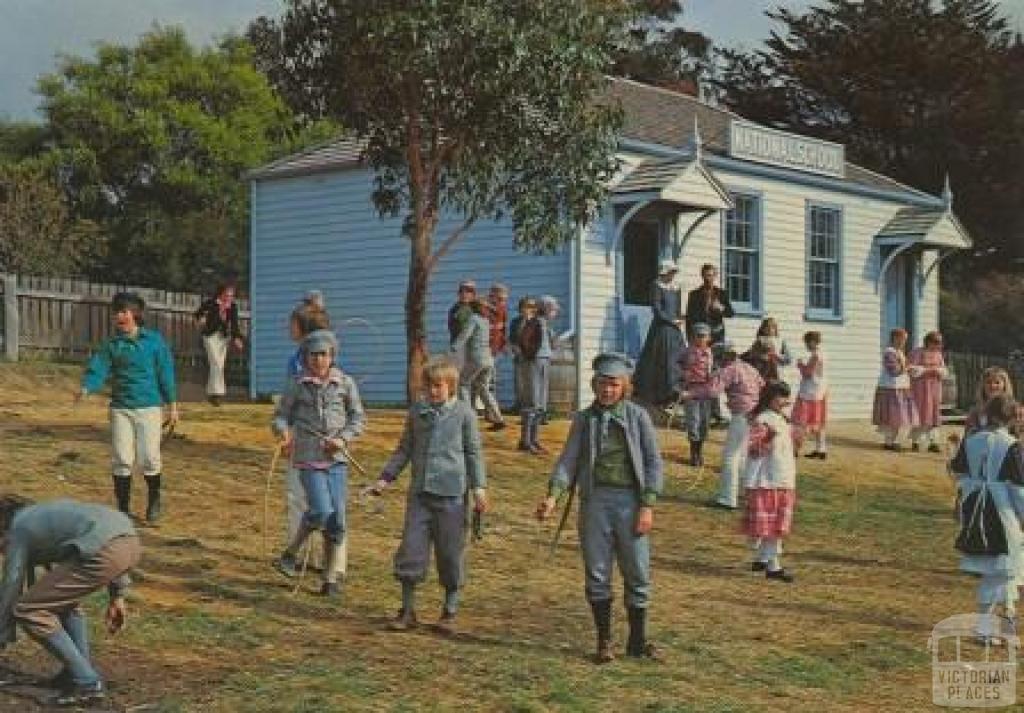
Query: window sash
742, 251
824, 243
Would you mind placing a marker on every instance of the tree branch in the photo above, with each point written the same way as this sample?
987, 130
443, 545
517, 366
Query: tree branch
450, 241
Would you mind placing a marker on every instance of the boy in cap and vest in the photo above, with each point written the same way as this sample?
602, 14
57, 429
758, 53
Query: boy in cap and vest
477, 368
696, 364
318, 415
612, 456
84, 547
140, 368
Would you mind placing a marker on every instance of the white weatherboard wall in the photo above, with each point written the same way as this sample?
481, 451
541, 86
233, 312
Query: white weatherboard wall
322, 232
853, 346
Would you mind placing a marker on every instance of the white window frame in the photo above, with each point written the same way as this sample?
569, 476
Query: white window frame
834, 312
755, 306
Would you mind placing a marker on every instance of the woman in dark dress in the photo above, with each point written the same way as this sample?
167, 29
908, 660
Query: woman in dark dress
657, 373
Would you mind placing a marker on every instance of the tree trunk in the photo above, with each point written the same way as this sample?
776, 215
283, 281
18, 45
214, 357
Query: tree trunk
415, 311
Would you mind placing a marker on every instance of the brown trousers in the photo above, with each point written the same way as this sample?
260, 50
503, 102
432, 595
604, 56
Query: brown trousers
62, 589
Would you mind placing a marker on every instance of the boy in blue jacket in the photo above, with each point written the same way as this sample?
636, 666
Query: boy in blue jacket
442, 442
84, 547
140, 368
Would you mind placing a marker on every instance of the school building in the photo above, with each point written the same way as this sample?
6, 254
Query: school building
798, 233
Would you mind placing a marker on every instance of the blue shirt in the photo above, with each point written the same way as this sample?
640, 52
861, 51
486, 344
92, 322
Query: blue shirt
140, 370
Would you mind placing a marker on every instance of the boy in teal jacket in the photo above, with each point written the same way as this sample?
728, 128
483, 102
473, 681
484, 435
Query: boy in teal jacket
139, 365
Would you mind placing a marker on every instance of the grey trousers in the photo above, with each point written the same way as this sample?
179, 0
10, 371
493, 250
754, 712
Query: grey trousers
698, 415
433, 521
476, 380
537, 373
607, 525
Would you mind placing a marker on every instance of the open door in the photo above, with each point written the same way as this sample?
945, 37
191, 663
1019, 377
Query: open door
642, 243
900, 296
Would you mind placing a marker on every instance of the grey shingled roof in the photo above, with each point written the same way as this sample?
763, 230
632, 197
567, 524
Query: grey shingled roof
653, 175
912, 222
651, 115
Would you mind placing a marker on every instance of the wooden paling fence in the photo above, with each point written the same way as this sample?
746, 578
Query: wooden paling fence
968, 369
58, 318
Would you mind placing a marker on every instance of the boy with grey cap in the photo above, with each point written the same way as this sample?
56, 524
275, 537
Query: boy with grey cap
317, 417
697, 371
612, 456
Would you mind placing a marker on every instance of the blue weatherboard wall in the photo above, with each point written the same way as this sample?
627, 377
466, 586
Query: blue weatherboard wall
321, 231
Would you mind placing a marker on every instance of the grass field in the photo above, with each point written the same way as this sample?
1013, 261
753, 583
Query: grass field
215, 629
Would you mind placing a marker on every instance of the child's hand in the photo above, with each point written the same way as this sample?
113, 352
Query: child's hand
377, 488
480, 502
116, 615
333, 445
173, 416
545, 507
644, 521
285, 441
81, 395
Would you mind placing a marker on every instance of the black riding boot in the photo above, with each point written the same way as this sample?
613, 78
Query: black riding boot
153, 508
696, 457
638, 645
603, 622
123, 493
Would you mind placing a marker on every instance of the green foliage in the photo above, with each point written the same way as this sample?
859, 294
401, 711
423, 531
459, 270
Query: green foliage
658, 50
38, 235
151, 141
985, 317
483, 110
914, 89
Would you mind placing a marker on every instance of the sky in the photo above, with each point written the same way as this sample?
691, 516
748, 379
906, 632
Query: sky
34, 32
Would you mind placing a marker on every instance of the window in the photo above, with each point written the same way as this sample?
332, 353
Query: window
741, 273
824, 261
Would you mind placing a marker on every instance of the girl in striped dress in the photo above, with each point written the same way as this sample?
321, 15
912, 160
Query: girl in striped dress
894, 408
770, 480
811, 407
927, 370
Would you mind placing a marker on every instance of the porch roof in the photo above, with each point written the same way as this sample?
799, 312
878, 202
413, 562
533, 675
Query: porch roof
927, 228
686, 182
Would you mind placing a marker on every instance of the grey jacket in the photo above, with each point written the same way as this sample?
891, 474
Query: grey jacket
443, 443
576, 464
50, 533
475, 340
315, 410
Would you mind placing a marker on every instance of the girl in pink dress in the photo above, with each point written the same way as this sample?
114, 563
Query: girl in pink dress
811, 408
927, 370
894, 409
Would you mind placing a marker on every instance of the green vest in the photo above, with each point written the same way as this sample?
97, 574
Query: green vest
613, 467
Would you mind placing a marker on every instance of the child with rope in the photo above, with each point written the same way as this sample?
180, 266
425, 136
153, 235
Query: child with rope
139, 365
989, 466
612, 456
317, 417
442, 442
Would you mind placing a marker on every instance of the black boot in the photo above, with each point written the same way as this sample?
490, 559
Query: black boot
153, 508
696, 459
123, 493
638, 645
603, 622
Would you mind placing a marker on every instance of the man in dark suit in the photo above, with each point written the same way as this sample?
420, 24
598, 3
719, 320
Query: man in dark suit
709, 304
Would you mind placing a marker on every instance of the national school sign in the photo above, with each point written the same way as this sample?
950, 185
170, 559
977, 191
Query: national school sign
751, 142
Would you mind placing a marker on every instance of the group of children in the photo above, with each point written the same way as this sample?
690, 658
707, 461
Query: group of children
611, 458
909, 394
480, 332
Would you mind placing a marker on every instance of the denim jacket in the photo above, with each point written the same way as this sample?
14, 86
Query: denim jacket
315, 410
575, 466
443, 443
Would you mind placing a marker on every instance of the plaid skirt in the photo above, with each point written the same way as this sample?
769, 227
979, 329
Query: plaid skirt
895, 408
769, 512
810, 414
